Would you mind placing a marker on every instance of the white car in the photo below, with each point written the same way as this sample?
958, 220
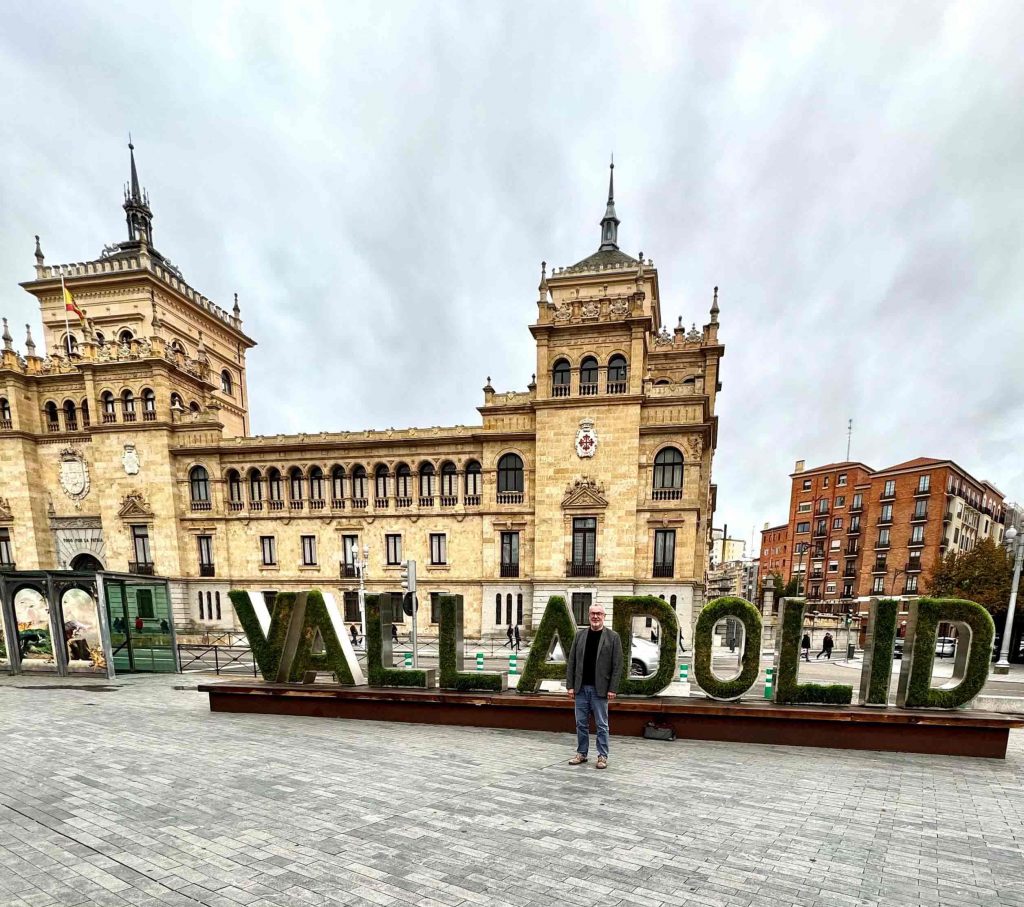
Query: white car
643, 659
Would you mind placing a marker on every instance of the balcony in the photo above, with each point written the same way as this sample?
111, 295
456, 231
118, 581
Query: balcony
560, 390
907, 590
109, 418
616, 387
510, 497
887, 495
296, 505
337, 503
510, 571
201, 505
854, 529
667, 494
879, 567
449, 500
588, 390
849, 574
8, 566
317, 504
276, 505
947, 516
919, 517
53, 426
141, 568
913, 566
6, 425
885, 520
359, 503
70, 425
881, 544
817, 574
583, 569
427, 501
207, 570
916, 543
922, 492
857, 508
128, 417
663, 571
256, 506
381, 503
472, 500
149, 415
403, 502
236, 506
820, 533
851, 551
347, 571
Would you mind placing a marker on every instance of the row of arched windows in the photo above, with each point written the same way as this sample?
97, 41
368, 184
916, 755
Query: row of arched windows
589, 376
127, 405
338, 485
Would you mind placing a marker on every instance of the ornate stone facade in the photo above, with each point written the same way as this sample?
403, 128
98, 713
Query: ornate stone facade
129, 442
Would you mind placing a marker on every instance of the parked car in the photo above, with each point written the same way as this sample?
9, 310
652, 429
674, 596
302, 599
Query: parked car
643, 659
945, 646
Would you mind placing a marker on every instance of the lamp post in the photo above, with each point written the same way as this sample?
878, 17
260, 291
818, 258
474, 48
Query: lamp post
1003, 665
801, 550
361, 564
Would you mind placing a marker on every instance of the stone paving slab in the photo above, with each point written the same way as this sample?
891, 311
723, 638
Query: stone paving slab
141, 796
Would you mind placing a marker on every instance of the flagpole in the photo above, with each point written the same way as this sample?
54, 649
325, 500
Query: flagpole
67, 325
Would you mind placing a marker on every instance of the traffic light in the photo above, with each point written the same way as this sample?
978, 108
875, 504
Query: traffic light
409, 587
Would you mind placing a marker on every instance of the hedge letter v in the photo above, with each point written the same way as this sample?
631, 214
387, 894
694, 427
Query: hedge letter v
268, 636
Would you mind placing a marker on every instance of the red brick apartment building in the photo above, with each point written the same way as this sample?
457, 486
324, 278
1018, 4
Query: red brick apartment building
854, 532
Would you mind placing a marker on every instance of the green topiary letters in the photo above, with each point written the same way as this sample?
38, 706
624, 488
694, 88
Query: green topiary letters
557, 623
624, 609
712, 613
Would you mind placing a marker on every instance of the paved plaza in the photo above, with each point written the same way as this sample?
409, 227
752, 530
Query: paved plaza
132, 792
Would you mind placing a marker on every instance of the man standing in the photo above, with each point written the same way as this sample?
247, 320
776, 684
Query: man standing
593, 669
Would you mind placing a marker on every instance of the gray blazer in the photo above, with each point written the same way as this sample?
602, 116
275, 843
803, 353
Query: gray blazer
607, 667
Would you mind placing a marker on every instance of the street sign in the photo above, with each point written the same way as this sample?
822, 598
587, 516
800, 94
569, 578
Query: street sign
410, 603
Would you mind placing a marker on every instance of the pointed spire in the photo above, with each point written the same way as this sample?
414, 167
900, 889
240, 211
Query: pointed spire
714, 308
542, 287
610, 222
237, 309
201, 350
30, 344
39, 253
7, 338
136, 194
136, 205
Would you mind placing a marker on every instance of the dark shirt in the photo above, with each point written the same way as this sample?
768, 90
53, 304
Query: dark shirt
590, 656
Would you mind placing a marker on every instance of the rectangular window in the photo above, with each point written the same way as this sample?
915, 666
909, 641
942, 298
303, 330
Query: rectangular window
435, 609
803, 507
807, 485
847, 590
584, 540
878, 584
956, 535
911, 584
664, 552
841, 501
858, 502
821, 527
581, 608
268, 550
921, 509
917, 534
837, 523
349, 547
803, 527
833, 566
924, 483
144, 604
824, 484
889, 491
351, 600
886, 515
393, 549
510, 549
308, 551
6, 555
835, 544
842, 479
883, 538
830, 588
140, 545
823, 506
855, 524
205, 550
438, 555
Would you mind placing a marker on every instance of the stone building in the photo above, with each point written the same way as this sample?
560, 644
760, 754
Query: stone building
125, 445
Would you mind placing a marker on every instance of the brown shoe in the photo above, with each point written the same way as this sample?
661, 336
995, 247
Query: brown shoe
602, 762
578, 759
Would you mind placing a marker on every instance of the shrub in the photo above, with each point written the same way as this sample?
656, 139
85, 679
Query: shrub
267, 650
378, 674
877, 673
624, 609
557, 621
750, 665
449, 656
787, 690
332, 660
925, 616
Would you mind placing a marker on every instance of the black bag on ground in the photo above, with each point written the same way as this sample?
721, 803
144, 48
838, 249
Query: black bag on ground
655, 731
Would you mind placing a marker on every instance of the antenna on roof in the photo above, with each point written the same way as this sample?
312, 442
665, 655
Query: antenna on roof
849, 437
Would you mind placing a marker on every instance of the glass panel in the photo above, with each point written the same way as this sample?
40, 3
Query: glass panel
81, 624
32, 616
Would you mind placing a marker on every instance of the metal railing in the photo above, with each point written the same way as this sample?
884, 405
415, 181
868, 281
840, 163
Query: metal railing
582, 569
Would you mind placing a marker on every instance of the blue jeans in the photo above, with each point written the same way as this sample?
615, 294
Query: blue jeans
588, 701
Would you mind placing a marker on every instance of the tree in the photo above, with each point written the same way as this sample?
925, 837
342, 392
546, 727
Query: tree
983, 575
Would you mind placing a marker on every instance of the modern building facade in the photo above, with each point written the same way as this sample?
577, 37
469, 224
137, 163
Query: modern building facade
125, 445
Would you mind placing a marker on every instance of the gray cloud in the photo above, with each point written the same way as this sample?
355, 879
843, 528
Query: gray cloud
380, 185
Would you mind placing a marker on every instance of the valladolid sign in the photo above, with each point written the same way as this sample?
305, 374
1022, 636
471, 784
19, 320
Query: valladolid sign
305, 635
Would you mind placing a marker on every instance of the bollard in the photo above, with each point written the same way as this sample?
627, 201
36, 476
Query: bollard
684, 673
512, 669
408, 659
769, 682
479, 661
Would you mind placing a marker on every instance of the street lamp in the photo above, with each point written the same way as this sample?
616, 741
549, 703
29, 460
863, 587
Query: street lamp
361, 564
801, 550
1003, 665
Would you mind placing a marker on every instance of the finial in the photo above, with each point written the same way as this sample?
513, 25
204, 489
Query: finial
714, 308
30, 344
39, 252
236, 309
610, 222
680, 322
7, 338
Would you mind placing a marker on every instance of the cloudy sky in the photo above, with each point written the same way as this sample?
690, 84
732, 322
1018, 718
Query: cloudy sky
380, 182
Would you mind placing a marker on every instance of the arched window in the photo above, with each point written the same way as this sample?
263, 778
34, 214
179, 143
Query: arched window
508, 608
100, 337
316, 488
225, 382
617, 374
510, 475
5, 413
70, 416
235, 500
428, 483
359, 486
84, 409
403, 484
338, 486
109, 410
380, 485
561, 378
176, 402
668, 474
125, 336
473, 482
128, 406
194, 407
177, 346
69, 344
662, 381
199, 488
519, 608
295, 483
497, 609
275, 492
449, 483
672, 602
255, 489
52, 421
588, 377
148, 405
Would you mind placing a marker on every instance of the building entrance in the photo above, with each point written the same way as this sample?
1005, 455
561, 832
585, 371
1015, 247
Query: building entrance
140, 626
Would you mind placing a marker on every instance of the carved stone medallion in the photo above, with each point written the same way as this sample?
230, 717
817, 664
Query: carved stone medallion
130, 460
74, 474
586, 439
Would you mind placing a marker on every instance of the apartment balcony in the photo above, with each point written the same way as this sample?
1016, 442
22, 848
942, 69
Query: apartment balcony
616, 387
922, 492
201, 505
918, 543
510, 497
128, 417
5, 566
879, 568
53, 427
109, 418
908, 591
849, 574
207, 570
573, 569
853, 529
885, 521
820, 533
667, 494
70, 425
817, 574
919, 518
141, 568
882, 544
347, 571
588, 390
913, 566
857, 508
6, 425
947, 516
887, 497
663, 571
509, 571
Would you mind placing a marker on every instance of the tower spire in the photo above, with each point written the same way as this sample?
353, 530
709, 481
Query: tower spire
610, 222
136, 194
136, 205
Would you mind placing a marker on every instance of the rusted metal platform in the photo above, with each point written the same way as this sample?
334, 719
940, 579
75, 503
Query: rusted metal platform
947, 733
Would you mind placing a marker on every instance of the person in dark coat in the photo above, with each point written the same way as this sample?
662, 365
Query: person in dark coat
826, 647
593, 669
508, 637
394, 633
518, 639
805, 646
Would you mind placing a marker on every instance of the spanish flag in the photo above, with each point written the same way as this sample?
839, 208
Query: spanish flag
71, 306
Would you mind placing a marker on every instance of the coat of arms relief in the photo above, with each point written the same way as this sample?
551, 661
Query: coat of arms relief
74, 474
586, 439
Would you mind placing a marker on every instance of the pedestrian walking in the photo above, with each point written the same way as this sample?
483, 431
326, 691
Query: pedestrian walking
394, 633
518, 639
354, 633
593, 669
682, 648
508, 638
826, 647
805, 646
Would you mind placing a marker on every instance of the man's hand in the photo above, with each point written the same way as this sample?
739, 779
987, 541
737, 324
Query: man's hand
571, 694
612, 695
